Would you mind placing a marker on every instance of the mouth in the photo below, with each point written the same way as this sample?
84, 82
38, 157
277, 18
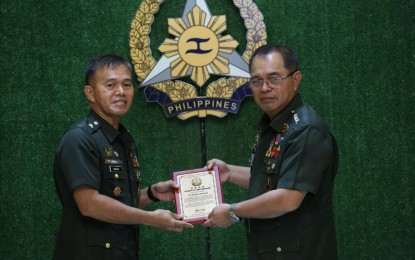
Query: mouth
267, 99
119, 102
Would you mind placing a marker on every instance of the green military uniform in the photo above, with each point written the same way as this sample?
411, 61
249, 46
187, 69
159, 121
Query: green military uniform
94, 154
294, 151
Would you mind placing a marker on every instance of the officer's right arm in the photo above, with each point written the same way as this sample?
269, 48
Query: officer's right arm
238, 175
95, 205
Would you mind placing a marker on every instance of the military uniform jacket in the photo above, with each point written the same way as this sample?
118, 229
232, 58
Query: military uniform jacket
94, 154
294, 151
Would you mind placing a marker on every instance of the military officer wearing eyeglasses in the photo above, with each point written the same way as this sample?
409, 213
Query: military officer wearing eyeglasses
97, 174
288, 212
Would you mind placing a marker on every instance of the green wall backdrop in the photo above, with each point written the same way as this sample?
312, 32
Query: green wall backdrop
358, 64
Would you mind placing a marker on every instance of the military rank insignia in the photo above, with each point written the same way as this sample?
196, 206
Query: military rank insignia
198, 48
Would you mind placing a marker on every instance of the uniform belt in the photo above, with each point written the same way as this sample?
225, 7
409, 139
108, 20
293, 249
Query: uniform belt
290, 221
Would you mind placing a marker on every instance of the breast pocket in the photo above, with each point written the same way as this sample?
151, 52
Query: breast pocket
114, 180
271, 165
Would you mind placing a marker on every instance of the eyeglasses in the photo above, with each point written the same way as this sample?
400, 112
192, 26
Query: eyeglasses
256, 83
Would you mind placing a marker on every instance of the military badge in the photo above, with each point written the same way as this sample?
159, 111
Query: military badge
275, 147
254, 147
136, 165
273, 153
271, 159
198, 49
108, 151
285, 127
117, 191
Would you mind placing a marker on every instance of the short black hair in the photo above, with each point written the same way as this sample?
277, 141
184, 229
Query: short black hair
104, 61
289, 57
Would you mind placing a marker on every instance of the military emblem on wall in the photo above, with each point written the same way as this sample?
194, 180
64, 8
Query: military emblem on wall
199, 47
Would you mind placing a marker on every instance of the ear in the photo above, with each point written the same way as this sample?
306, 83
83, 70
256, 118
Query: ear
297, 80
89, 93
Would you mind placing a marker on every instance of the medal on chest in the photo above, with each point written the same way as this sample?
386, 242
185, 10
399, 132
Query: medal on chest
273, 153
135, 163
272, 156
254, 148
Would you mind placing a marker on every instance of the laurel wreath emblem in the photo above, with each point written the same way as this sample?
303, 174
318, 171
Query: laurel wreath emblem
177, 90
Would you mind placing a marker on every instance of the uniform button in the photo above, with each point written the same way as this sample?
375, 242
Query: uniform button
107, 245
116, 176
279, 249
95, 122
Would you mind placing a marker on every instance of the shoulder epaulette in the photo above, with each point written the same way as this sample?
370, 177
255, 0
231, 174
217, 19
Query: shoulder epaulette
89, 125
306, 115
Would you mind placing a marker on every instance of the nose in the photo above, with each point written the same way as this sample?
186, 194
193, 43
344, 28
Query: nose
119, 90
265, 86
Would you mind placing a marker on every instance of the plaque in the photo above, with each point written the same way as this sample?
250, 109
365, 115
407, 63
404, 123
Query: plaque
199, 192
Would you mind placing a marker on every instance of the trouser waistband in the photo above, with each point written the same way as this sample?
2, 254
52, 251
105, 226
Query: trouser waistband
288, 222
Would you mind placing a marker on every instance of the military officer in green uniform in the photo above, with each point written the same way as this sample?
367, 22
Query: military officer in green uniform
97, 174
289, 212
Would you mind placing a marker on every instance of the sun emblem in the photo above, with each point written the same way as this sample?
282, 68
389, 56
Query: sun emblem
189, 43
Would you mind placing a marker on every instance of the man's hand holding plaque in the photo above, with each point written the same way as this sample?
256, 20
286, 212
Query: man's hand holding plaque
199, 192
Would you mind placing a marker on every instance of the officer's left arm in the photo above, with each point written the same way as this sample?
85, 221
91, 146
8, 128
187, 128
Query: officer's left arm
272, 204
